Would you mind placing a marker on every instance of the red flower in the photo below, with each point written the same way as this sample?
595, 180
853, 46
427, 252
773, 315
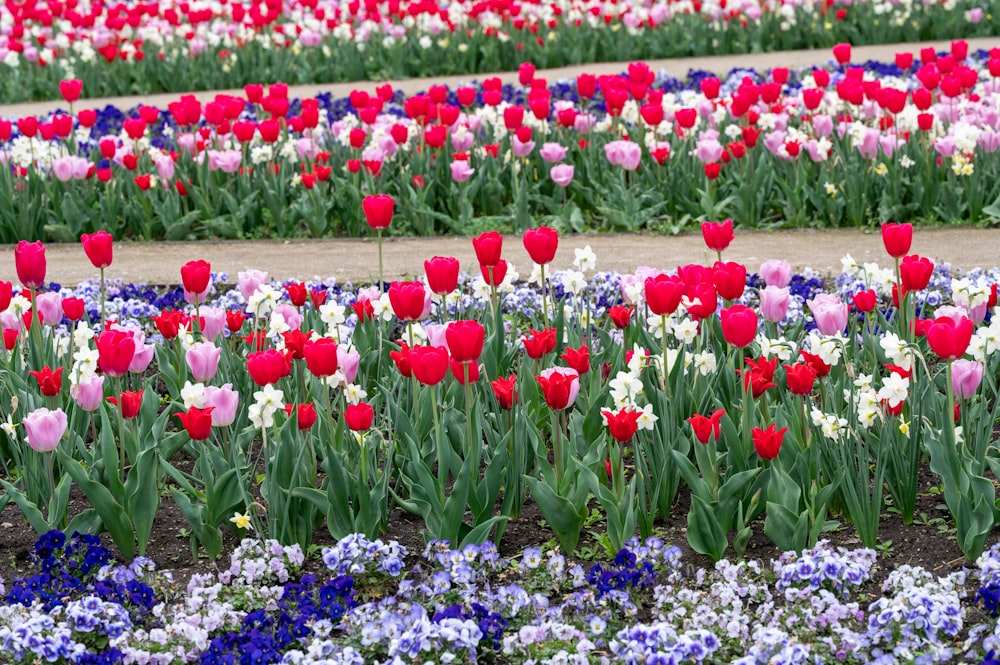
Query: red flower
297, 293
130, 401
622, 424
458, 370
705, 428
321, 356
197, 422
538, 343
702, 300
560, 386
359, 416
266, 367
29, 261
897, 239
488, 247
402, 359
663, 294
760, 376
842, 52
98, 248
504, 389
73, 308
739, 325
168, 323
429, 364
364, 309
799, 378
949, 338
305, 414
578, 359
541, 244
49, 382
195, 275
621, 316
767, 442
115, 349
378, 210
493, 275
442, 274
814, 361
915, 272
407, 300
70, 89
465, 340
318, 297
729, 279
717, 235
865, 301
234, 321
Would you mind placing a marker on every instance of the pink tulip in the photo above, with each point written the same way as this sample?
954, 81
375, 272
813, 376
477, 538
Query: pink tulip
249, 281
776, 272
49, 307
562, 174
203, 361
89, 394
521, 148
460, 171
45, 429
224, 401
774, 303
348, 361
213, 321
290, 314
553, 152
966, 376
829, 312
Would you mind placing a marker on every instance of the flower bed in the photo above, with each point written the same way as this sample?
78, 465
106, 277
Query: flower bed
179, 46
827, 147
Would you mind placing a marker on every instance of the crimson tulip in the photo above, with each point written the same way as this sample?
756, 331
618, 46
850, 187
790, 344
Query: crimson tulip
465, 340
429, 364
729, 279
98, 248
663, 294
817, 363
767, 442
409, 300
266, 367
800, 378
560, 386
897, 239
759, 377
488, 247
865, 301
622, 424
364, 310
197, 422
949, 338
442, 274
915, 272
297, 293
359, 416
378, 210
70, 89
129, 402
578, 359
739, 325
541, 244
49, 382
305, 414
321, 356
402, 359
700, 300
29, 262
538, 343
195, 276
707, 427
493, 275
115, 349
73, 308
234, 320
6, 295
620, 315
459, 370
717, 235
505, 391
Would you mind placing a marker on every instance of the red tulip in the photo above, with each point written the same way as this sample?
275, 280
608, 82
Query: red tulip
195, 276
429, 364
758, 378
739, 325
717, 235
130, 402
266, 367
488, 247
897, 239
29, 261
295, 343
504, 389
767, 442
706, 428
865, 301
305, 414
578, 359
49, 382
493, 275
408, 300
560, 386
318, 297
402, 359
359, 416
442, 274
70, 89
458, 370
197, 422
800, 378
378, 210
321, 356
730, 279
622, 424
73, 308
297, 293
465, 340
541, 244
915, 272
842, 52
115, 349
538, 343
168, 323
364, 310
234, 321
814, 361
6, 294
620, 316
97, 247
948, 338
663, 294
701, 300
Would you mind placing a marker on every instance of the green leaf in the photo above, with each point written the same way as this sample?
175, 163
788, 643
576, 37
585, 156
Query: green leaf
112, 513
705, 532
564, 516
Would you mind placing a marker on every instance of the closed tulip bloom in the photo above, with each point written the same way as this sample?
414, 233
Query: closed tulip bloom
465, 340
45, 429
49, 382
203, 361
622, 424
621, 316
49, 307
461, 370
402, 360
829, 312
915, 272
776, 272
249, 281
717, 235
541, 244
442, 274
29, 262
729, 279
266, 367
739, 325
966, 375
144, 353
767, 442
562, 174
115, 350
378, 210
73, 308
224, 402
429, 364
488, 247
949, 339
707, 428
89, 393
663, 294
800, 378
359, 416
505, 391
321, 356
409, 300
98, 248
197, 422
865, 301
494, 275
348, 361
213, 321
560, 386
897, 239
195, 276
305, 414
774, 303
129, 402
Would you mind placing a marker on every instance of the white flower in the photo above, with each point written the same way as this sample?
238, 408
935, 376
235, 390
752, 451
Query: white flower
648, 419
83, 334
332, 314
193, 395
85, 364
685, 330
574, 282
585, 259
354, 393
262, 301
269, 401
625, 388
277, 325
893, 390
705, 363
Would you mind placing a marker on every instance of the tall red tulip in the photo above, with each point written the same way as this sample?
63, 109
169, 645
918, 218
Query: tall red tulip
717, 235
622, 424
707, 427
897, 239
408, 300
767, 442
71, 89
442, 274
729, 279
359, 416
321, 356
97, 247
948, 338
429, 364
663, 294
197, 422
378, 209
465, 340
541, 244
29, 261
915, 272
739, 325
195, 275
115, 349
488, 247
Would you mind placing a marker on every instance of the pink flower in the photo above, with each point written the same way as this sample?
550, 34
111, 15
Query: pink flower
966, 376
521, 148
213, 321
249, 281
45, 429
89, 393
562, 174
776, 272
708, 150
49, 307
290, 314
348, 361
829, 312
203, 361
224, 400
553, 152
774, 303
460, 171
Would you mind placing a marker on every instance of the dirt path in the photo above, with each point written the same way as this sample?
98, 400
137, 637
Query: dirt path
357, 259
